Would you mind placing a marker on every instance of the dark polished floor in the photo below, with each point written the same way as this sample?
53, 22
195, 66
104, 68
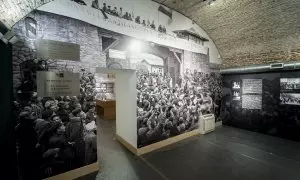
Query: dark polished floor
227, 153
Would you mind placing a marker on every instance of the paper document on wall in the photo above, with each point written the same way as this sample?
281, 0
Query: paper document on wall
252, 102
252, 86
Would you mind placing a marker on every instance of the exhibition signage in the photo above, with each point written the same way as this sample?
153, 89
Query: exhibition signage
252, 94
53, 84
252, 102
49, 49
252, 86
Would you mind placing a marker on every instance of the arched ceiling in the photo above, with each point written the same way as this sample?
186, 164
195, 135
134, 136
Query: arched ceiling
247, 31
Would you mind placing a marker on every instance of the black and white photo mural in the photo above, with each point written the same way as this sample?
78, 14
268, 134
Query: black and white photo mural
56, 128
290, 91
54, 83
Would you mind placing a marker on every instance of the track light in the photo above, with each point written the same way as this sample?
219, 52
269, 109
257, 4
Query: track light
211, 2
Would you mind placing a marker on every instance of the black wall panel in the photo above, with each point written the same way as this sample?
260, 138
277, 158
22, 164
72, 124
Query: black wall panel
7, 142
274, 118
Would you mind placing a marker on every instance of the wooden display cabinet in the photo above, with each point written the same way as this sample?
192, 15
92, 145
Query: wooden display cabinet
106, 109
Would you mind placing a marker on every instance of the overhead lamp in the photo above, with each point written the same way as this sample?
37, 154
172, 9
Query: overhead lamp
135, 45
211, 2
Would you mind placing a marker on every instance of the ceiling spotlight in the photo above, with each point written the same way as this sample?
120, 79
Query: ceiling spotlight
211, 2
135, 45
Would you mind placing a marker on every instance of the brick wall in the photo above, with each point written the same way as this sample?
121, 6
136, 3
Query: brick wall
246, 59
248, 32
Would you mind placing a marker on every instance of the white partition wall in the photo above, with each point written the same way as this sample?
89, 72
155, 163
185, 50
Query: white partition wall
125, 92
126, 123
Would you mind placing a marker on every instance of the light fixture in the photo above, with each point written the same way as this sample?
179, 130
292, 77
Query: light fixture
135, 45
211, 2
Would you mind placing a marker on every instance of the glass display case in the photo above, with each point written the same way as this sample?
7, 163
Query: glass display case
105, 86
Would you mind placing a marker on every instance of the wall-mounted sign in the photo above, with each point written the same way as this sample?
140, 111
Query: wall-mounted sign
53, 84
252, 86
252, 102
49, 49
236, 96
116, 54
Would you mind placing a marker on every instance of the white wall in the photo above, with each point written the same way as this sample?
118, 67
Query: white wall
125, 91
126, 119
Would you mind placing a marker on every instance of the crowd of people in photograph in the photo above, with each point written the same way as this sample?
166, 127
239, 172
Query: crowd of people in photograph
119, 12
165, 110
290, 98
54, 135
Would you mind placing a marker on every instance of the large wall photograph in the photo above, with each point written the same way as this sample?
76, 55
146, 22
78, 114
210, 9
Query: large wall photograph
290, 91
57, 133
54, 133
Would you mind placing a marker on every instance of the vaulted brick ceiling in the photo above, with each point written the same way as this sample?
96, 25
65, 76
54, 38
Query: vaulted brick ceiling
247, 31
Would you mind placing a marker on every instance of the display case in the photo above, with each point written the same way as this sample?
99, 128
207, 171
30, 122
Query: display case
105, 87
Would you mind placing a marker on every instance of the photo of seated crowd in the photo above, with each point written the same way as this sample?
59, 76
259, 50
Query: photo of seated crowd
119, 12
164, 110
54, 135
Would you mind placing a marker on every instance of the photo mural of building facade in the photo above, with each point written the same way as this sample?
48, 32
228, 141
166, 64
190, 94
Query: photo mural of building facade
58, 134
54, 134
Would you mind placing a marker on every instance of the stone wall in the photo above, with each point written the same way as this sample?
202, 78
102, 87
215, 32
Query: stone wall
195, 61
59, 28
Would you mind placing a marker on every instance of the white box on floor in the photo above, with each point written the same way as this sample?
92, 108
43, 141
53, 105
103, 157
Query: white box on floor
207, 123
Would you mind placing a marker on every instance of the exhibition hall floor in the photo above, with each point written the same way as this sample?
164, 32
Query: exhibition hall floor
228, 153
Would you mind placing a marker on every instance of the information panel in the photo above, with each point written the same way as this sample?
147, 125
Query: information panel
252, 86
252, 102
49, 49
52, 84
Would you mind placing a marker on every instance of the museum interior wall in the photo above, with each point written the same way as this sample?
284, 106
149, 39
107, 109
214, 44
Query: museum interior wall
263, 102
177, 71
174, 81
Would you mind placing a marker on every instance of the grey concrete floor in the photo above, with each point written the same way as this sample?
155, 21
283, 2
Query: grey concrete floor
227, 153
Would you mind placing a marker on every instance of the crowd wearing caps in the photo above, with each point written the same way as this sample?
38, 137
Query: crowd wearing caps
166, 108
55, 135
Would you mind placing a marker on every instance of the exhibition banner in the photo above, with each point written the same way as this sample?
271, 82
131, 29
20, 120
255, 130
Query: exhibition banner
133, 24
